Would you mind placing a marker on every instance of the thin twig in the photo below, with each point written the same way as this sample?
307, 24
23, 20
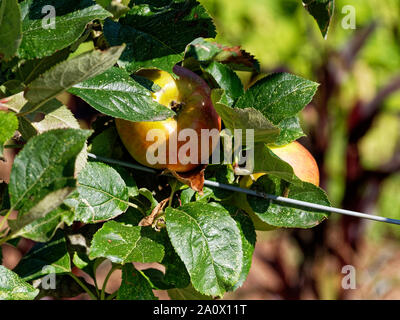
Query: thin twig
103, 290
83, 286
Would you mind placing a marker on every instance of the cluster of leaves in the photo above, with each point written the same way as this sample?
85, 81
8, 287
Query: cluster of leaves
82, 212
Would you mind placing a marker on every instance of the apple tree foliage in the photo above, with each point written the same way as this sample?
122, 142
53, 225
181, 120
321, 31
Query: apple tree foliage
80, 212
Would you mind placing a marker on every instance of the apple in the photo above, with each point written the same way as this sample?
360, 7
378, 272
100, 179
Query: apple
304, 166
303, 163
190, 97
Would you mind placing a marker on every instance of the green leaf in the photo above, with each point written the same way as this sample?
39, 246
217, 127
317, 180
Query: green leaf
29, 126
208, 241
132, 216
266, 161
227, 80
8, 125
161, 32
207, 50
133, 190
81, 46
188, 293
145, 203
59, 118
56, 116
10, 28
45, 258
116, 94
278, 96
13, 287
249, 236
290, 130
16, 101
71, 18
161, 57
156, 279
12, 86
284, 215
43, 229
322, 11
104, 3
101, 194
31, 69
247, 118
219, 173
4, 199
122, 243
176, 274
82, 261
117, 7
134, 285
26, 128
149, 197
78, 261
187, 195
212, 193
43, 173
105, 143
68, 73
203, 50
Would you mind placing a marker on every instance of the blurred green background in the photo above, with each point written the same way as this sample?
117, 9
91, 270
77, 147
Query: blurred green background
283, 36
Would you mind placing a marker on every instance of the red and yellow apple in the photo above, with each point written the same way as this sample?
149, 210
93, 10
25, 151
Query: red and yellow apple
190, 97
304, 166
303, 163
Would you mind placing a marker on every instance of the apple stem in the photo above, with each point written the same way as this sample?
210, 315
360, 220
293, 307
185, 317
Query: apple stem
173, 184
